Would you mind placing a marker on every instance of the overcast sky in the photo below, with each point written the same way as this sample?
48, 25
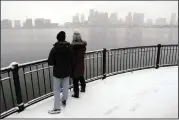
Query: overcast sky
62, 11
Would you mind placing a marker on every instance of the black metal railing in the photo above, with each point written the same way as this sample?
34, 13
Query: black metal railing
25, 84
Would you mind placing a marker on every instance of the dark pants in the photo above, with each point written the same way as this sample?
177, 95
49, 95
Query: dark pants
76, 84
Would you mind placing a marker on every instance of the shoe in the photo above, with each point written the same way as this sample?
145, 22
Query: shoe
82, 90
54, 111
64, 103
75, 96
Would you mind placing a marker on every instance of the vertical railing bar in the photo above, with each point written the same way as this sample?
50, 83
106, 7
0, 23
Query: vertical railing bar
93, 66
132, 57
134, 64
141, 58
117, 60
111, 61
126, 58
164, 60
146, 55
90, 64
44, 78
11, 89
120, 60
25, 84
86, 67
129, 60
97, 63
50, 80
38, 80
102, 63
167, 59
176, 56
4, 99
114, 61
172, 55
123, 60
149, 57
32, 83
108, 62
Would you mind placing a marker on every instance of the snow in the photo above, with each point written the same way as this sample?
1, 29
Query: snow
151, 93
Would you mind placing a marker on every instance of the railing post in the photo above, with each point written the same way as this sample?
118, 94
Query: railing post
158, 56
104, 63
15, 68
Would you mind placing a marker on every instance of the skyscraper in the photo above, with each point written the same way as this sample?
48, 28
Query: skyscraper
82, 18
17, 24
76, 19
173, 19
39, 23
28, 23
138, 19
161, 21
128, 20
6, 24
149, 22
113, 19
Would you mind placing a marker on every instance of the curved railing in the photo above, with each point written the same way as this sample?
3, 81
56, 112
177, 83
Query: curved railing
25, 84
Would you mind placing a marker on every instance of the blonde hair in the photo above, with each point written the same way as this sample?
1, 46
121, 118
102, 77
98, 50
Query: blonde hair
77, 37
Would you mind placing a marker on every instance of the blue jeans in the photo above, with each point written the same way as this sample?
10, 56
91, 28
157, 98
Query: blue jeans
57, 82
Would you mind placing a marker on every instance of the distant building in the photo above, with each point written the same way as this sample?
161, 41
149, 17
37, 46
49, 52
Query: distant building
149, 22
76, 19
54, 25
138, 19
6, 24
173, 19
28, 24
161, 21
91, 15
120, 22
113, 19
128, 20
39, 23
47, 23
17, 24
82, 18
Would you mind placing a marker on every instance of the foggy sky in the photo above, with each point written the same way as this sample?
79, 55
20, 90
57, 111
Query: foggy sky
62, 11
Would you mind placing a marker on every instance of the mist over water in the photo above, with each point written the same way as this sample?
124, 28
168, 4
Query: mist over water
28, 45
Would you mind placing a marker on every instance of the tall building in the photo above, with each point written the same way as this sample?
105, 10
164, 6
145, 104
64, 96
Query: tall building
91, 15
113, 19
149, 22
39, 23
47, 23
82, 18
28, 23
76, 19
138, 19
128, 20
161, 21
173, 19
17, 24
6, 24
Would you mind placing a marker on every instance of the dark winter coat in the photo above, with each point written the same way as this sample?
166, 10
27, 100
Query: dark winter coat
61, 59
79, 49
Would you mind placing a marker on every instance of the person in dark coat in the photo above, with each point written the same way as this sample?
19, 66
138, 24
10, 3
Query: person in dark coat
61, 58
79, 49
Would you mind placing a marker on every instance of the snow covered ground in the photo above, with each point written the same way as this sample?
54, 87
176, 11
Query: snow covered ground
151, 93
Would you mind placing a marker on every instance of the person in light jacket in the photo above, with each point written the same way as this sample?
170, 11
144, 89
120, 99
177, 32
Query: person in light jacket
79, 49
61, 59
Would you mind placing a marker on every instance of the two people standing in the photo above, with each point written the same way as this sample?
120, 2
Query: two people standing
67, 61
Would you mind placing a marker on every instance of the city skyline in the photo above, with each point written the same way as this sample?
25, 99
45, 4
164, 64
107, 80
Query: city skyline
54, 10
95, 18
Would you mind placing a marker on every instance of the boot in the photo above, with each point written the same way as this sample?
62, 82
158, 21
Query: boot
75, 96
